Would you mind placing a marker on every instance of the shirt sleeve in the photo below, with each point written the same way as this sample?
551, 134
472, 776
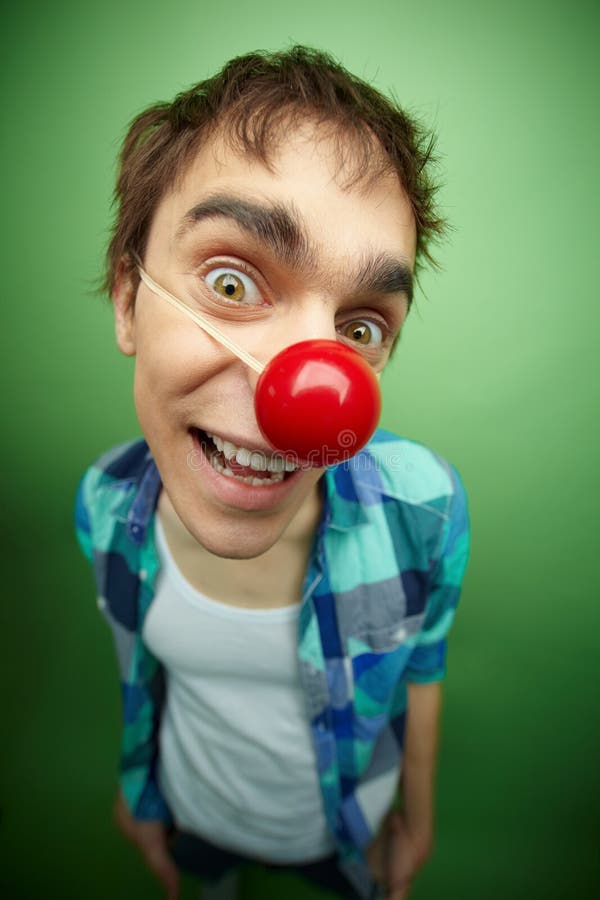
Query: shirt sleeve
427, 661
83, 529
142, 705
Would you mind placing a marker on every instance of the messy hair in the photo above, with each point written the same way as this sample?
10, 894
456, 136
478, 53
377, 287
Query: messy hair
250, 102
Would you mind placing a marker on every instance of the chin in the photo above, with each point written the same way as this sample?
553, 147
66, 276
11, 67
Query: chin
236, 542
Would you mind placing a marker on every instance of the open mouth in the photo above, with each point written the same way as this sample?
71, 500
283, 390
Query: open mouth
249, 466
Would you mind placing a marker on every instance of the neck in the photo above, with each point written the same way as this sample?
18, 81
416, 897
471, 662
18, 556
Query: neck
275, 577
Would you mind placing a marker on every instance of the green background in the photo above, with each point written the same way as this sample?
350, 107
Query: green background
496, 370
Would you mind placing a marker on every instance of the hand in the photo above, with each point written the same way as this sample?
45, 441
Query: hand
395, 856
150, 837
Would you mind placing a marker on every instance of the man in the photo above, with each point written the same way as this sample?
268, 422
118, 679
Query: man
281, 631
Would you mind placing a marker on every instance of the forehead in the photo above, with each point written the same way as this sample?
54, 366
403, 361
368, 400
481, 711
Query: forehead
309, 174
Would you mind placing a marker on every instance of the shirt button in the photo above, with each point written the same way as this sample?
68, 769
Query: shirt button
143, 574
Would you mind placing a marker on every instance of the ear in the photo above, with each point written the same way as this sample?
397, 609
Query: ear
123, 296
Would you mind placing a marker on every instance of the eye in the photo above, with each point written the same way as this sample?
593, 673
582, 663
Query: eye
233, 286
362, 332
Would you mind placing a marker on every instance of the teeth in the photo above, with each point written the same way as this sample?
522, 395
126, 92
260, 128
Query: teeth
277, 465
243, 456
228, 449
260, 482
247, 479
258, 461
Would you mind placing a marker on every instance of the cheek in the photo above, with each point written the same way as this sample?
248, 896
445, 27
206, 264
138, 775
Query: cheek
173, 359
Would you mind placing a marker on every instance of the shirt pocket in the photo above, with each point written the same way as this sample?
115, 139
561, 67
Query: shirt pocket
382, 639
383, 636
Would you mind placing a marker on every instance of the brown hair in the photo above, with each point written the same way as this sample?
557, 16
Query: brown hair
254, 96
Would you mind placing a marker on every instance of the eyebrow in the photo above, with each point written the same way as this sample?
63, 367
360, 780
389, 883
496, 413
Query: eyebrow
280, 227
384, 274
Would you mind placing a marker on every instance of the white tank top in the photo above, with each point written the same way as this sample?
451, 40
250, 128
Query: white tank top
237, 765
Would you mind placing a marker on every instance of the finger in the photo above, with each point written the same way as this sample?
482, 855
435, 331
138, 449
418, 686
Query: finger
398, 891
399, 864
123, 818
399, 884
159, 862
376, 859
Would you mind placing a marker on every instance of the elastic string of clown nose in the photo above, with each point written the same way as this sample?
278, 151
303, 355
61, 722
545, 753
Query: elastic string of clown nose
202, 321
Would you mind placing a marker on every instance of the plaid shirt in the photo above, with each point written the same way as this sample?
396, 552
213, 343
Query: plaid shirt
379, 596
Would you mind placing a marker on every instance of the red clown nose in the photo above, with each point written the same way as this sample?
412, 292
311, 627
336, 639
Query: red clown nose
318, 401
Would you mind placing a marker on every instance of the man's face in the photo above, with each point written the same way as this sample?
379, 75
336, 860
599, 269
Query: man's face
273, 257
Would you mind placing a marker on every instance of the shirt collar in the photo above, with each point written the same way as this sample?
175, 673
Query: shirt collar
347, 491
144, 503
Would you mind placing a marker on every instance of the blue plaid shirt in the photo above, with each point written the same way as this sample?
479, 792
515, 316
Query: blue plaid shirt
379, 596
